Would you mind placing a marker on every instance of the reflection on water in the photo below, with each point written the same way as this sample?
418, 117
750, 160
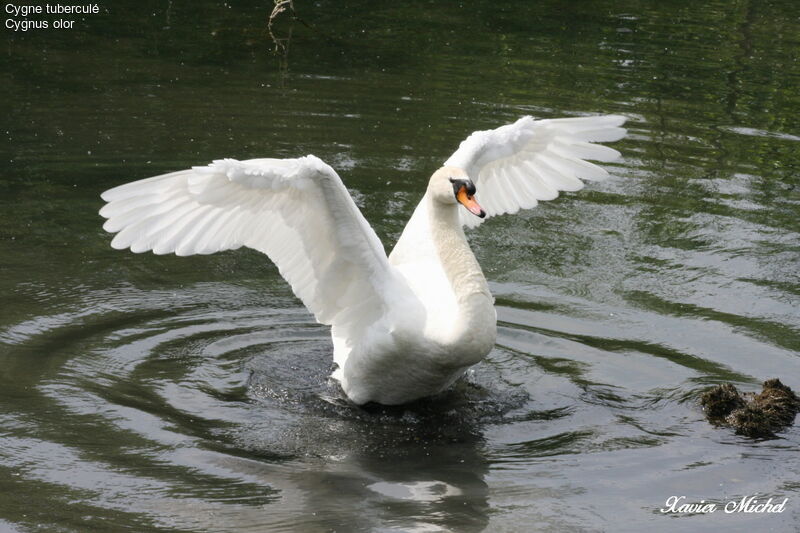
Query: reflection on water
185, 394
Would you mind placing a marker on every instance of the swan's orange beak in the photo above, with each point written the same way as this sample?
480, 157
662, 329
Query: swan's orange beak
468, 201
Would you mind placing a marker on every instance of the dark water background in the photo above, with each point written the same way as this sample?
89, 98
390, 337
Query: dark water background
190, 394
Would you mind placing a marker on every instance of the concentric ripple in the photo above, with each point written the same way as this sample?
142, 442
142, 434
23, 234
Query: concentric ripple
221, 409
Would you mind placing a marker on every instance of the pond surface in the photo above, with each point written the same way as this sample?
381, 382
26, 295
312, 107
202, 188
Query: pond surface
191, 394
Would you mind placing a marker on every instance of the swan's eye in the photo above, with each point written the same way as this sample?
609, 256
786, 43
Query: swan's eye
467, 184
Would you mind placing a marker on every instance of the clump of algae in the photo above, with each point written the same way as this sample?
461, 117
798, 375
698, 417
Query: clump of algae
753, 415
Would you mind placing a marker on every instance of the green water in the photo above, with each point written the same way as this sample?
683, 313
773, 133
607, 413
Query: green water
189, 394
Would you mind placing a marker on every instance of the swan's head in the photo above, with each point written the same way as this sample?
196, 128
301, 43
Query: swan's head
450, 185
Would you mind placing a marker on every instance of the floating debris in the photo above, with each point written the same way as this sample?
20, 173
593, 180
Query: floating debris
750, 414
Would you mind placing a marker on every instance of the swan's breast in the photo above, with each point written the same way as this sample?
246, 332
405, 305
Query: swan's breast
428, 282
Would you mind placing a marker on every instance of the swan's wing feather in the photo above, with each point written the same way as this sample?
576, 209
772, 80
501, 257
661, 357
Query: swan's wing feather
296, 211
517, 165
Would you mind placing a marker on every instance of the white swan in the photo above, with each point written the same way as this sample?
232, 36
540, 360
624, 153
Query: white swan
403, 326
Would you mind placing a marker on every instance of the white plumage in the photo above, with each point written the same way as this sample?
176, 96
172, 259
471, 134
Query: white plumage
403, 326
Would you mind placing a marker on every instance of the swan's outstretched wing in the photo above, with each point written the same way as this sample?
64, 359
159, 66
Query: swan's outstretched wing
517, 165
297, 211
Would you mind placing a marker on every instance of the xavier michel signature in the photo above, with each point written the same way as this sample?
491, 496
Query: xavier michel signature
748, 504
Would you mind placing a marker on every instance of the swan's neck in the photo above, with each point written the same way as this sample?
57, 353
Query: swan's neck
458, 262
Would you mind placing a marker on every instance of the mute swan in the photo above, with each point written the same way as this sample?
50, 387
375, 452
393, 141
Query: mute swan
403, 326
